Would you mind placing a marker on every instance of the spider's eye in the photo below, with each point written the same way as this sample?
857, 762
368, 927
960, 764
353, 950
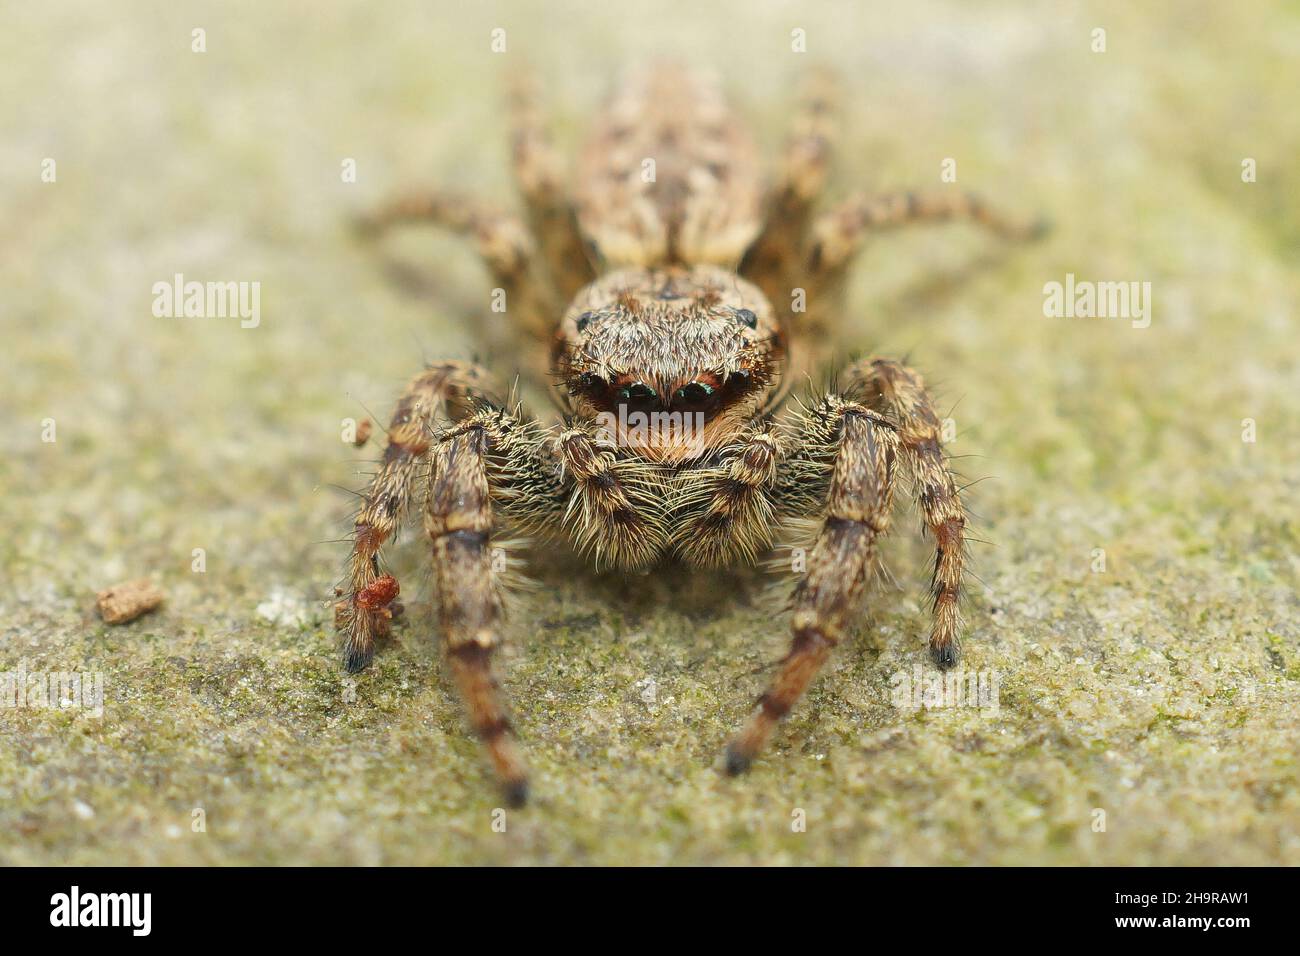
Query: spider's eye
584, 320
696, 393
637, 392
738, 379
748, 317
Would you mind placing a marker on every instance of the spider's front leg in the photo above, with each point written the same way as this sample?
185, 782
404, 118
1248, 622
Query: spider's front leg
459, 522
450, 388
899, 393
862, 447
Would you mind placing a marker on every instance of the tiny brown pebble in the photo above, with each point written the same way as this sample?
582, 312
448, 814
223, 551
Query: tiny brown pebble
127, 601
363, 432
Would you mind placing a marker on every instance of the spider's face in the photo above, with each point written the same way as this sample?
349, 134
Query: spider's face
698, 349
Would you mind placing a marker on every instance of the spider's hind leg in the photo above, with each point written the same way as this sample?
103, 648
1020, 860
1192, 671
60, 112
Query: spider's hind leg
503, 243
539, 173
838, 234
779, 249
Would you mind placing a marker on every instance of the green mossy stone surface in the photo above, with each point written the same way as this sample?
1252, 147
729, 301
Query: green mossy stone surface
1162, 691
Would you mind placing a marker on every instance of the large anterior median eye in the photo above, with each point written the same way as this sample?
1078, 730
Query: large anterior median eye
693, 395
638, 395
637, 390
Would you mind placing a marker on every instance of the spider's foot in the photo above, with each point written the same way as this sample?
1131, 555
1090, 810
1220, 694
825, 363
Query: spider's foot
366, 226
355, 660
738, 760
945, 655
1039, 229
516, 793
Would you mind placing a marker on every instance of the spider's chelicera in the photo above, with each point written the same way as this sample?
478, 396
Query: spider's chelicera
695, 299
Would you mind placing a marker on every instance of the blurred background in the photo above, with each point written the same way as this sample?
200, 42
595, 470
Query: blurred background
1160, 689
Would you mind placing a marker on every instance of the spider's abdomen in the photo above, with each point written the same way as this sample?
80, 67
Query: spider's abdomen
669, 175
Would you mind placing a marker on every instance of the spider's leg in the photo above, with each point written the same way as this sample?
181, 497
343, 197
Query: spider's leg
539, 173
459, 522
491, 467
839, 233
777, 259
779, 247
836, 236
863, 447
899, 393
450, 388
503, 243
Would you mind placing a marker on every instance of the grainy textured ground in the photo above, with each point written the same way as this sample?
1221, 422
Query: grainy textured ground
1163, 690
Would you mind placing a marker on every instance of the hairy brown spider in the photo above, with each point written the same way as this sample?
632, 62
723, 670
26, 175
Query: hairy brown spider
695, 298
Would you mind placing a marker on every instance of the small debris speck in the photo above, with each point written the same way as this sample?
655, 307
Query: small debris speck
127, 601
281, 607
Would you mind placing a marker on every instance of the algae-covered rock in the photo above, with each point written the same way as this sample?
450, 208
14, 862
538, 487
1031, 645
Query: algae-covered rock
1134, 618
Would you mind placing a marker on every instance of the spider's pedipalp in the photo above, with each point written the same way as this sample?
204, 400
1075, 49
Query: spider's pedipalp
614, 512
728, 512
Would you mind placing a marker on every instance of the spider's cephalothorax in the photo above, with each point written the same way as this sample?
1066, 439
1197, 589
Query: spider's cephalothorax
695, 298
676, 361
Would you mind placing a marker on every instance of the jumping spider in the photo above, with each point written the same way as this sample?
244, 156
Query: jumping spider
692, 291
